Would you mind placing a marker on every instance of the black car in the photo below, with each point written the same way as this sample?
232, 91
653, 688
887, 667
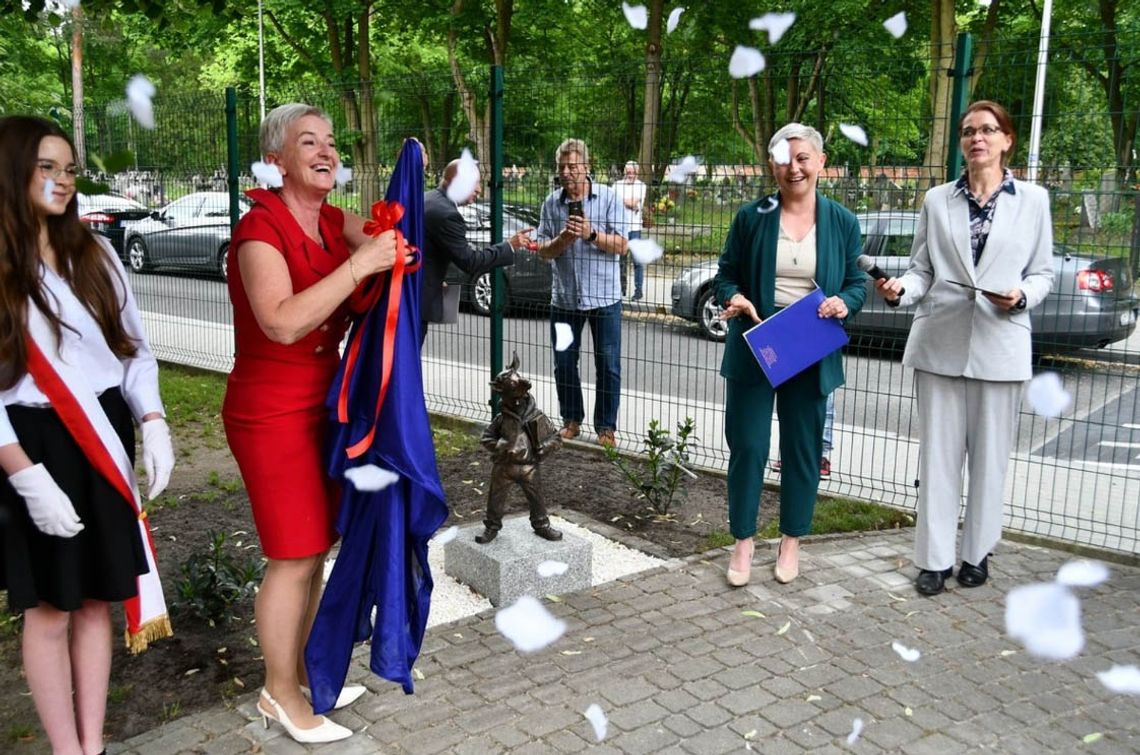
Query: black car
528, 280
108, 214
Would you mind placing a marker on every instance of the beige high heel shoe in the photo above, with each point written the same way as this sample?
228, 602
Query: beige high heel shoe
349, 694
326, 731
784, 576
740, 578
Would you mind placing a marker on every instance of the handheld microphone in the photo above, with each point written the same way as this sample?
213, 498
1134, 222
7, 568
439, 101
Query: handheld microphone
867, 265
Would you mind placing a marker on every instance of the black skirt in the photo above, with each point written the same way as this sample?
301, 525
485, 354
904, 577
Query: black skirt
103, 560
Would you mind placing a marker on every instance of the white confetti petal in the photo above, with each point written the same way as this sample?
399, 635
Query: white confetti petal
268, 174
745, 62
1124, 679
856, 730
896, 24
767, 205
446, 536
1046, 618
343, 174
680, 172
854, 133
674, 19
552, 568
636, 15
1083, 573
1047, 395
369, 477
645, 251
49, 190
910, 655
775, 23
140, 92
597, 718
528, 625
466, 179
563, 336
781, 152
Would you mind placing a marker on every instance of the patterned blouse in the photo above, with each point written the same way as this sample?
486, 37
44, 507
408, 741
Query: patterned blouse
981, 216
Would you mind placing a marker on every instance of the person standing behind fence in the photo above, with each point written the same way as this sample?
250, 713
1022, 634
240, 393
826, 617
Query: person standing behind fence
971, 348
445, 241
76, 373
580, 231
291, 274
777, 250
631, 192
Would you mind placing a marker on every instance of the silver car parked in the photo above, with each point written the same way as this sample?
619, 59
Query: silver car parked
1091, 306
191, 233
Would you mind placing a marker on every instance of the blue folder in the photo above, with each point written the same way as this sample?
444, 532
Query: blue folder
795, 338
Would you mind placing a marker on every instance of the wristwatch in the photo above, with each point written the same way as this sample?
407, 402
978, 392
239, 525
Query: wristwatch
1021, 304
593, 235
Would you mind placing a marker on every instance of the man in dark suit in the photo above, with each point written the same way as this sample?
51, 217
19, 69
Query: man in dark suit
445, 241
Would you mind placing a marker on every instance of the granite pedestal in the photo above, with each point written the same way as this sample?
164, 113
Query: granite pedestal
507, 567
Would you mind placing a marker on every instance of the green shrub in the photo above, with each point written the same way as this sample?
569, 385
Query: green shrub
658, 476
215, 581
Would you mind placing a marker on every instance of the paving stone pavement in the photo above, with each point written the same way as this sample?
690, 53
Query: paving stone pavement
677, 666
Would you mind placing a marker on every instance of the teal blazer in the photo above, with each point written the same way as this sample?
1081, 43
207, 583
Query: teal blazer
748, 266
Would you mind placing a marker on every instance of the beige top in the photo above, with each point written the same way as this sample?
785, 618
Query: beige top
795, 267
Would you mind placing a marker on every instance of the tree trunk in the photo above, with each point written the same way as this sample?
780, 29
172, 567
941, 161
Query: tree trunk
651, 112
942, 33
367, 174
78, 121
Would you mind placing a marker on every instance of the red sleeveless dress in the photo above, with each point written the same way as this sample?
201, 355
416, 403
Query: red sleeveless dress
274, 410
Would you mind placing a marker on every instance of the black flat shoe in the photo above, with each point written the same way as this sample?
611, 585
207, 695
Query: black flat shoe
932, 582
974, 576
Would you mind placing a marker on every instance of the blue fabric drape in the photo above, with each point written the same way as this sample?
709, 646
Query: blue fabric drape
382, 563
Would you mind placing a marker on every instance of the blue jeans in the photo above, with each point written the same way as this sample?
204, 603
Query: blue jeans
638, 269
605, 329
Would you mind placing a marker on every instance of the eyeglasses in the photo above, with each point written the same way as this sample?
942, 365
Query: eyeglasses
48, 169
986, 130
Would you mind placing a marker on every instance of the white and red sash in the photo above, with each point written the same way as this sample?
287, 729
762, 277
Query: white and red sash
78, 407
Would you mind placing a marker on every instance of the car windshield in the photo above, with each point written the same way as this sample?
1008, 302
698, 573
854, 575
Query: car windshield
107, 202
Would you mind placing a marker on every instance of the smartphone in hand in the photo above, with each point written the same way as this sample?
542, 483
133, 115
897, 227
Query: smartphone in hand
575, 206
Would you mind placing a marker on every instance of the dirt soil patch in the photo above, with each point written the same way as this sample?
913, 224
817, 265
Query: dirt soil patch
203, 665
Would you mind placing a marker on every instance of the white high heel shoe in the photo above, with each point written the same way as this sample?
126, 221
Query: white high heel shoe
326, 731
349, 694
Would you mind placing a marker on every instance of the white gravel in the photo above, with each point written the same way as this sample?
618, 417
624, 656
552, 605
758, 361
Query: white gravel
610, 560
451, 600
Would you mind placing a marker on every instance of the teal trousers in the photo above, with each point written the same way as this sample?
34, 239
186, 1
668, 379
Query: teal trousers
748, 430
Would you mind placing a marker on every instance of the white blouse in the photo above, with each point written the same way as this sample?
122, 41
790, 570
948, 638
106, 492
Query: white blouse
83, 346
795, 267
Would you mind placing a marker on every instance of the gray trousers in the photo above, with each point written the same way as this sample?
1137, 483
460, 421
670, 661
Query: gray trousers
963, 423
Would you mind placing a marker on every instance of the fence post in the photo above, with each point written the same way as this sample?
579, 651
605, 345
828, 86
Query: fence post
963, 57
495, 177
232, 155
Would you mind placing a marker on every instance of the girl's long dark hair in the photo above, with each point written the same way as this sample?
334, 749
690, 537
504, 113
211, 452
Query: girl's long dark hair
79, 257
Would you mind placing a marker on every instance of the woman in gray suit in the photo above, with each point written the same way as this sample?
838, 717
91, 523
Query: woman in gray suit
982, 258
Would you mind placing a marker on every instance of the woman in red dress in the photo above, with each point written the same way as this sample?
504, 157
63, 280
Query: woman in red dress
291, 272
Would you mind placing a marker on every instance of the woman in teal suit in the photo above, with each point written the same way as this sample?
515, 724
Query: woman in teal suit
777, 250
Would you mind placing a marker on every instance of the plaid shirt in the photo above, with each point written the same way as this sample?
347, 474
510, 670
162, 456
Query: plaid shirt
585, 277
982, 216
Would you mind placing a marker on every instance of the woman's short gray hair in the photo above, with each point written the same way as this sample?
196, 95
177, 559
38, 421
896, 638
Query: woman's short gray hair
572, 145
797, 131
271, 135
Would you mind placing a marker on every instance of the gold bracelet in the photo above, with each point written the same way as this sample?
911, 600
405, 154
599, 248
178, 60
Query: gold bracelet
352, 272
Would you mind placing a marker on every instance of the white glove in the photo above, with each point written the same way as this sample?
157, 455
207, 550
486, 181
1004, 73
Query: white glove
48, 506
158, 455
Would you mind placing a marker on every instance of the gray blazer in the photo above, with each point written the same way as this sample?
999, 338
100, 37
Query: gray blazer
957, 332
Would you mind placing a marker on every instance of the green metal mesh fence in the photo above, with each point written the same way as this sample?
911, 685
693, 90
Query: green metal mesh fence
1076, 478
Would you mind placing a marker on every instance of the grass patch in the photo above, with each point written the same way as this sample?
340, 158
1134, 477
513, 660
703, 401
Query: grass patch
452, 436
193, 400
21, 733
832, 516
